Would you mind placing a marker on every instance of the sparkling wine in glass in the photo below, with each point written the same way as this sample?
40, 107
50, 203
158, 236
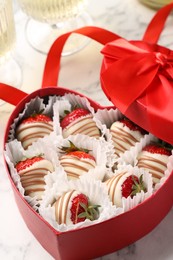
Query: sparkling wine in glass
155, 4
10, 71
51, 18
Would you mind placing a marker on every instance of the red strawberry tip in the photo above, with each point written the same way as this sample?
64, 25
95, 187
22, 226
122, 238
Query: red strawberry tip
82, 155
157, 148
132, 126
76, 151
37, 117
27, 162
73, 115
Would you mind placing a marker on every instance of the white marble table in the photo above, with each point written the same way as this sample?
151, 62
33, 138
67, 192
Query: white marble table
80, 72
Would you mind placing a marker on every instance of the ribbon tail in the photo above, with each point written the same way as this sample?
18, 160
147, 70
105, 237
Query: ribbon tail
11, 94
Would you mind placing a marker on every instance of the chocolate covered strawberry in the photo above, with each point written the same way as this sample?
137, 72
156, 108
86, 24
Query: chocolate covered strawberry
79, 121
34, 127
74, 207
125, 185
154, 158
125, 134
32, 172
76, 161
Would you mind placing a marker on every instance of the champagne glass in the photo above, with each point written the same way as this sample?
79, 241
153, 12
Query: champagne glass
10, 71
51, 18
156, 4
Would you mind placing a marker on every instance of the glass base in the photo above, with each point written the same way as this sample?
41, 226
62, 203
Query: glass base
10, 73
41, 36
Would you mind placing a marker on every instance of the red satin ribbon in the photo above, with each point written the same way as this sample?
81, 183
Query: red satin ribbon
157, 24
10, 94
52, 66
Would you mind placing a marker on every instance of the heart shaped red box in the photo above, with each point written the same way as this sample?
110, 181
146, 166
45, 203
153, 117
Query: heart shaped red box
115, 233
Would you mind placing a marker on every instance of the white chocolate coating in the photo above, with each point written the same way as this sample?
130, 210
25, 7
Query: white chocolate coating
32, 178
155, 163
123, 138
75, 167
62, 207
83, 125
114, 186
27, 133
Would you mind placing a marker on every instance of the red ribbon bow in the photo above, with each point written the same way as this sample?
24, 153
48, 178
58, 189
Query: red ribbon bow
143, 72
133, 69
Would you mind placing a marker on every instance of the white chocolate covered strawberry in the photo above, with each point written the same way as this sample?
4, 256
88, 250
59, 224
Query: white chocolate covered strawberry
154, 158
34, 127
76, 161
125, 134
79, 121
74, 207
32, 172
124, 185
